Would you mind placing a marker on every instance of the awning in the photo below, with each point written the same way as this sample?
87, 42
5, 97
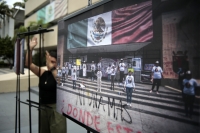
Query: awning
109, 48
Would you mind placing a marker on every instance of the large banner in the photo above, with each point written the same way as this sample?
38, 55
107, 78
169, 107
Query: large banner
52, 11
99, 30
131, 24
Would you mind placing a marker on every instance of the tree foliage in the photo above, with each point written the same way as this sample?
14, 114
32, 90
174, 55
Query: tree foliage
20, 4
7, 49
5, 10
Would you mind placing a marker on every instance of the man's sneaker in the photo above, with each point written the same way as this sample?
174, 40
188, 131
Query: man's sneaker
150, 91
130, 104
62, 84
127, 104
157, 92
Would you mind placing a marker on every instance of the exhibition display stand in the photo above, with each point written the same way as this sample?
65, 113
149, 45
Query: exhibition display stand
30, 103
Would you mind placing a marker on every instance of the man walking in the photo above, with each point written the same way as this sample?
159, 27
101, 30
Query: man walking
92, 71
113, 72
84, 69
121, 69
63, 74
108, 71
73, 76
99, 76
157, 75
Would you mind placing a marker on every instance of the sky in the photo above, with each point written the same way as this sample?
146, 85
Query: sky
11, 2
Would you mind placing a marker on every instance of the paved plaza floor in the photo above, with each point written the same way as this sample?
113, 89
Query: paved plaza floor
7, 115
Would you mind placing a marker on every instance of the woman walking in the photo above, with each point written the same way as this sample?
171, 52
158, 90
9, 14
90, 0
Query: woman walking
113, 72
99, 76
130, 86
74, 76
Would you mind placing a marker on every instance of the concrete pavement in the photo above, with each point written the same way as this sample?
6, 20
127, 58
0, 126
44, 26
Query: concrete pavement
7, 115
5, 71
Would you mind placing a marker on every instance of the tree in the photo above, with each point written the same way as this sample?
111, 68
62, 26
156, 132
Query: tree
21, 29
20, 4
34, 26
7, 49
5, 11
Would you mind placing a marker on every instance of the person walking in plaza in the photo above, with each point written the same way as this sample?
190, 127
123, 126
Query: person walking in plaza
108, 71
189, 93
74, 76
113, 72
121, 69
77, 71
92, 71
99, 64
99, 76
70, 68
50, 120
63, 74
84, 69
129, 85
59, 75
181, 76
66, 70
157, 75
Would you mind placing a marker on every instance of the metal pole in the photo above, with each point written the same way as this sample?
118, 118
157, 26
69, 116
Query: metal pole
16, 105
19, 103
39, 74
29, 88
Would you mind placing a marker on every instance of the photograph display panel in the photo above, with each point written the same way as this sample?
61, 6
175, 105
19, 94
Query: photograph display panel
107, 111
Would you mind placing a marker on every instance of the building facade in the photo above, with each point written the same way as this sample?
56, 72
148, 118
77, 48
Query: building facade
50, 11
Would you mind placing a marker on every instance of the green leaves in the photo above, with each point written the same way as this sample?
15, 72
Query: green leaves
6, 48
19, 4
5, 10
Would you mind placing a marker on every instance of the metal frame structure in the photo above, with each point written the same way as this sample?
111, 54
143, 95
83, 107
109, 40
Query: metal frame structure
40, 31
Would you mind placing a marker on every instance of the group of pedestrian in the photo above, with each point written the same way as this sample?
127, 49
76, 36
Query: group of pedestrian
186, 83
112, 71
127, 82
62, 73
